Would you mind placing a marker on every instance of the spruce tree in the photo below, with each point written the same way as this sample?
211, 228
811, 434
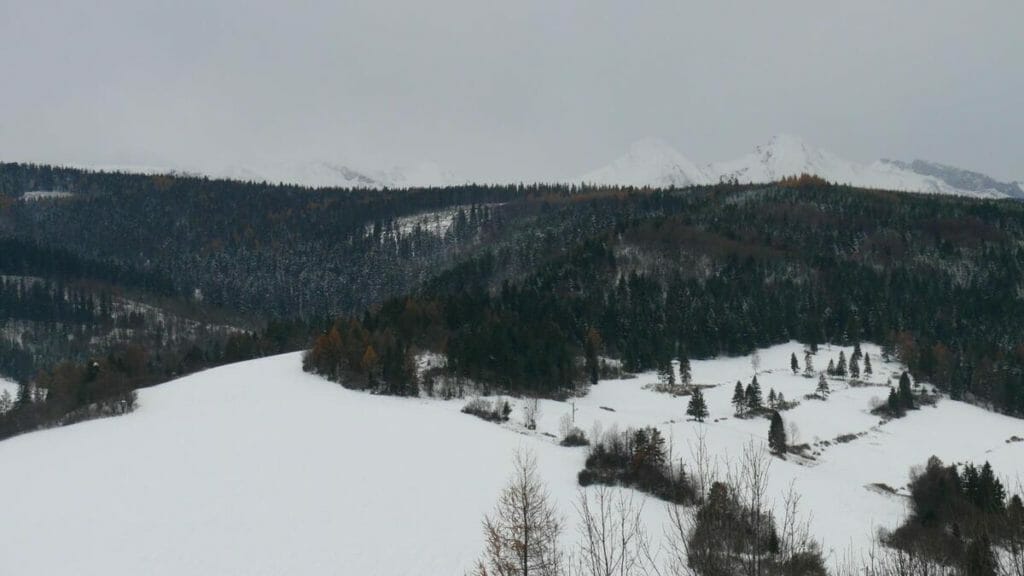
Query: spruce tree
685, 372
823, 389
857, 354
906, 396
777, 434
24, 395
808, 363
831, 370
755, 400
698, 408
739, 399
893, 403
841, 366
591, 349
979, 559
793, 364
665, 373
867, 365
771, 398
854, 368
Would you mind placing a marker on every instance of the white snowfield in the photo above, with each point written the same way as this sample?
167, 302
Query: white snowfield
10, 386
656, 164
257, 469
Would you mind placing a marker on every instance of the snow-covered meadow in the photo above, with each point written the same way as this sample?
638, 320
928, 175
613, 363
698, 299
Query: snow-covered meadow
259, 468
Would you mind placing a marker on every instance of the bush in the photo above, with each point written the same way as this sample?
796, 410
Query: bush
637, 459
575, 437
496, 411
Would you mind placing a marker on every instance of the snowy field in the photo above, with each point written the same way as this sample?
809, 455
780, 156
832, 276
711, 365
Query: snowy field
257, 468
10, 386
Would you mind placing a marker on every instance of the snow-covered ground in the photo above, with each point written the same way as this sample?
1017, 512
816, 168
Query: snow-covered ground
258, 468
8, 385
35, 195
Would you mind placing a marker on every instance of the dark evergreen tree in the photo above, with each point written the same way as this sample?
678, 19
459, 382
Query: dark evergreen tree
777, 434
857, 354
822, 389
841, 365
854, 368
771, 398
698, 408
666, 376
591, 350
893, 405
793, 364
755, 400
867, 365
685, 371
906, 395
831, 370
980, 559
24, 395
739, 399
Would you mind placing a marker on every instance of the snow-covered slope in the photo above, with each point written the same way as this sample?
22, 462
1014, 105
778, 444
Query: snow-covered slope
655, 163
314, 173
329, 174
788, 155
258, 468
650, 162
785, 155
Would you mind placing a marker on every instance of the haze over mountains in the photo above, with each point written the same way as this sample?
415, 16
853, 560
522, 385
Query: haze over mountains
655, 163
650, 162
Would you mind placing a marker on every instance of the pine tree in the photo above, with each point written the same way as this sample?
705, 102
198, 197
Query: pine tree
991, 494
24, 395
771, 398
808, 363
592, 347
857, 354
854, 368
823, 389
698, 408
841, 366
831, 370
979, 560
665, 374
893, 403
739, 399
685, 372
906, 396
755, 401
867, 365
777, 434
793, 364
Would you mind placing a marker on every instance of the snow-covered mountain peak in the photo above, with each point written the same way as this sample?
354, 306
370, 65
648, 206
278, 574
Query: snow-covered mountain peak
649, 162
784, 155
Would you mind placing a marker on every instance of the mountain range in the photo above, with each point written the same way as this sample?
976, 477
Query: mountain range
655, 163
650, 162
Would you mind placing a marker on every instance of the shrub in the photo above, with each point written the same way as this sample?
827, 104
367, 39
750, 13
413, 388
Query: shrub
496, 411
636, 458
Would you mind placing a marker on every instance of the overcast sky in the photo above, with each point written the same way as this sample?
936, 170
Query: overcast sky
519, 89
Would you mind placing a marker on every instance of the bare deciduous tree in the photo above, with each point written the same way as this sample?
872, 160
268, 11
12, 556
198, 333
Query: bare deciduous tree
522, 536
531, 411
613, 541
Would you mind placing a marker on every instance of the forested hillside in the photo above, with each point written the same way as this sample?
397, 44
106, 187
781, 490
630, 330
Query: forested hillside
520, 287
722, 271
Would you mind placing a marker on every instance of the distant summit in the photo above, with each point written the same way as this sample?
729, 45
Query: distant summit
649, 162
655, 163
